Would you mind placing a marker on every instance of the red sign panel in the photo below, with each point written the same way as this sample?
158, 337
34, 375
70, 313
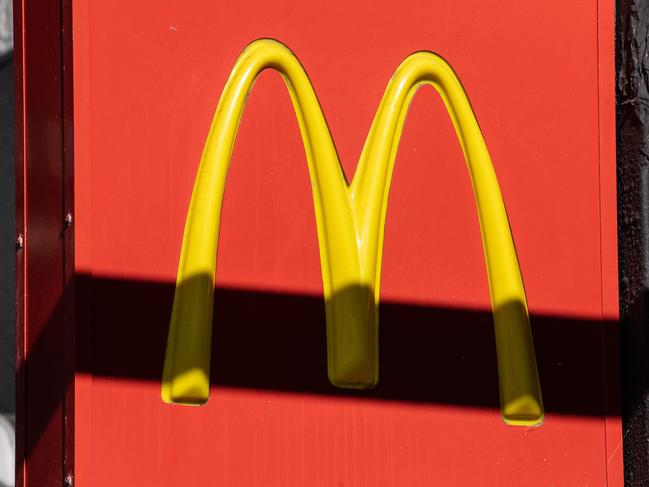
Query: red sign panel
147, 80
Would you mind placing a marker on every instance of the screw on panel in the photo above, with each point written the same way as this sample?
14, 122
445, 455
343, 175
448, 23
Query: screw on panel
68, 481
68, 219
20, 241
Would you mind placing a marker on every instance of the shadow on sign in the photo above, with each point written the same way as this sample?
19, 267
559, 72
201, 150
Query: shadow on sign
270, 341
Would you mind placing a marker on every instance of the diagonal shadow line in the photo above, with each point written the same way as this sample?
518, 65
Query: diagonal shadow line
274, 341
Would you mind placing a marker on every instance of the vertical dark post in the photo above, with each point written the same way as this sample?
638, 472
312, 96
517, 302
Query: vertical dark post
43, 263
68, 301
7, 235
632, 65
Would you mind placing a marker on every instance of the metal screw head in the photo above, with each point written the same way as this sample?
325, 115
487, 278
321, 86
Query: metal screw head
20, 241
68, 219
68, 481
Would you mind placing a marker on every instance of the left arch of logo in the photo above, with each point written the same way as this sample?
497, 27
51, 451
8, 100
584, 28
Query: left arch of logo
350, 221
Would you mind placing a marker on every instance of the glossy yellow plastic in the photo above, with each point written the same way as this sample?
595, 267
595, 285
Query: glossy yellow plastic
350, 222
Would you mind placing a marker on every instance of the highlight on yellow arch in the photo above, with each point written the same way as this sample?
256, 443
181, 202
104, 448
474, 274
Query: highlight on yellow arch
350, 222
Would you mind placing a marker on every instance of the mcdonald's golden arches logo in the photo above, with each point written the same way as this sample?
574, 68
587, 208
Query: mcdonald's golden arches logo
350, 221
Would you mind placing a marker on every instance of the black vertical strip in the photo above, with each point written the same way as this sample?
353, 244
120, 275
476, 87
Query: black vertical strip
632, 91
67, 96
7, 237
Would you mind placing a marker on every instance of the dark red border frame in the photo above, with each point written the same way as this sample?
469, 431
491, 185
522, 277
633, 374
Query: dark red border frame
609, 240
45, 324
45, 358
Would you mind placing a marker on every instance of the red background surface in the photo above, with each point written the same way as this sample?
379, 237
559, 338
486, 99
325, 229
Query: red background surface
147, 78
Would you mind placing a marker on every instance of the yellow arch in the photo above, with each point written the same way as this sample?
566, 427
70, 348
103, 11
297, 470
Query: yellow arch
350, 221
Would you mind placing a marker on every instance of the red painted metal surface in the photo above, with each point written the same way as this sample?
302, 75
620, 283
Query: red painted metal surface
147, 80
43, 104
